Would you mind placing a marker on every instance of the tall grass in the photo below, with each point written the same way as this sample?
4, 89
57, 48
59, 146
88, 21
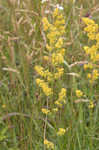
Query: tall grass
22, 47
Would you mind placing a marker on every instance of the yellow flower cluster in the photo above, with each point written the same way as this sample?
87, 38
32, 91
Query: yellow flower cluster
48, 144
3, 106
55, 32
88, 66
40, 70
61, 131
57, 59
62, 98
48, 75
46, 24
44, 86
59, 21
59, 43
93, 76
44, 73
55, 109
92, 52
91, 105
79, 93
53, 70
92, 30
45, 111
59, 73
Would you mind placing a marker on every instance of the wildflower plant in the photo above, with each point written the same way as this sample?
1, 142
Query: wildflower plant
51, 74
49, 145
79, 93
92, 30
92, 52
61, 131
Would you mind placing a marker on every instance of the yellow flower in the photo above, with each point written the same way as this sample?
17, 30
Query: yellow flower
59, 73
48, 75
44, 73
46, 24
55, 44
39, 70
60, 17
48, 144
58, 103
97, 37
46, 90
97, 57
88, 66
56, 12
62, 29
62, 51
59, 44
61, 132
79, 93
95, 74
57, 59
62, 94
45, 111
52, 38
87, 49
88, 21
61, 100
44, 86
92, 30
89, 75
91, 36
91, 105
49, 48
59, 23
46, 58
55, 109
3, 106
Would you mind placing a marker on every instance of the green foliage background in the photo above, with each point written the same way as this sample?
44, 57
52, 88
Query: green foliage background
21, 48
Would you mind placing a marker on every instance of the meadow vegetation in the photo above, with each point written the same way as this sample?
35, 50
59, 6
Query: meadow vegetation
49, 74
